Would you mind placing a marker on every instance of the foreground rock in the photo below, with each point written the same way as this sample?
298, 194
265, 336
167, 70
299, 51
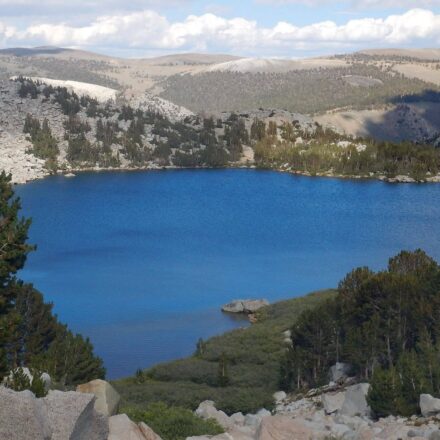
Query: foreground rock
22, 417
58, 416
63, 416
107, 398
341, 413
122, 428
72, 416
246, 306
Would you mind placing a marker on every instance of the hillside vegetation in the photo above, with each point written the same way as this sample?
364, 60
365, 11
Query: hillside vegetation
304, 91
385, 325
251, 358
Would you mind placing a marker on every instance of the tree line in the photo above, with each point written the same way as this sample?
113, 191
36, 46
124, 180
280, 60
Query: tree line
386, 325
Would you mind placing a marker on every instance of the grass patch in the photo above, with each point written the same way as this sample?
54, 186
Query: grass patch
173, 423
253, 360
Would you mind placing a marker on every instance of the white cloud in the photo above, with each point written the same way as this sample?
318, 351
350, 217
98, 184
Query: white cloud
359, 4
148, 30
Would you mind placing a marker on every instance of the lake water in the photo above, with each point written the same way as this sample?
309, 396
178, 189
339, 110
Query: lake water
141, 262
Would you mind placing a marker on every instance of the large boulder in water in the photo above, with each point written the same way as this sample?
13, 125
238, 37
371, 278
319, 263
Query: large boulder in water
22, 416
245, 305
429, 406
107, 398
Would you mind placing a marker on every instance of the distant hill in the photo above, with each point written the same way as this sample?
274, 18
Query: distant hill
369, 83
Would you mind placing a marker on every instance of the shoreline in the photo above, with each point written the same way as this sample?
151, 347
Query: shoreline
72, 172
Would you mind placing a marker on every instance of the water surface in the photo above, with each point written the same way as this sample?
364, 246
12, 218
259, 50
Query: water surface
141, 262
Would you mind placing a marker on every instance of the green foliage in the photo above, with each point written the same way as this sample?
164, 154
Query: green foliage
44, 144
253, 355
303, 91
319, 152
18, 380
173, 423
29, 333
385, 324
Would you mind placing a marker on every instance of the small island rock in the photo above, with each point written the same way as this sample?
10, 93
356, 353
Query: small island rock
245, 305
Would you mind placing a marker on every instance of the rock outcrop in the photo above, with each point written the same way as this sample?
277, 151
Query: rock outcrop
429, 406
122, 428
63, 416
246, 306
22, 416
355, 401
339, 371
72, 415
107, 398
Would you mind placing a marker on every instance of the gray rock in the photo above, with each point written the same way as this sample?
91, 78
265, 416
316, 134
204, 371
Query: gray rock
279, 396
72, 416
237, 419
252, 420
263, 413
22, 416
245, 305
429, 406
107, 398
122, 428
435, 435
355, 402
339, 371
207, 410
332, 402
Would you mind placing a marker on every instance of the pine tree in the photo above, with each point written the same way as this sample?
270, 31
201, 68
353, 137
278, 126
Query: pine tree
384, 392
223, 373
13, 253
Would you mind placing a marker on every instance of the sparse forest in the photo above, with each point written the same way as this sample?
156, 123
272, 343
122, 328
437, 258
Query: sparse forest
302, 91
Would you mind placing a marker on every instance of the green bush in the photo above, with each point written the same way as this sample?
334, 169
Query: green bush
172, 422
253, 358
20, 381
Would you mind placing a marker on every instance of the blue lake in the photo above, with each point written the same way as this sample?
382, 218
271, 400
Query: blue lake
141, 262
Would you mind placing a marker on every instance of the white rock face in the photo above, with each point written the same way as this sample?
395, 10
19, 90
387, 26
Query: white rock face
429, 406
166, 108
333, 402
355, 402
100, 93
122, 428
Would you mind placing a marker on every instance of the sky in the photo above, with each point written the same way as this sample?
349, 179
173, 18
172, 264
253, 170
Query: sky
254, 28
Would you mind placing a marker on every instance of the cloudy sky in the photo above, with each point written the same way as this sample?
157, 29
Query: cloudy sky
278, 28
